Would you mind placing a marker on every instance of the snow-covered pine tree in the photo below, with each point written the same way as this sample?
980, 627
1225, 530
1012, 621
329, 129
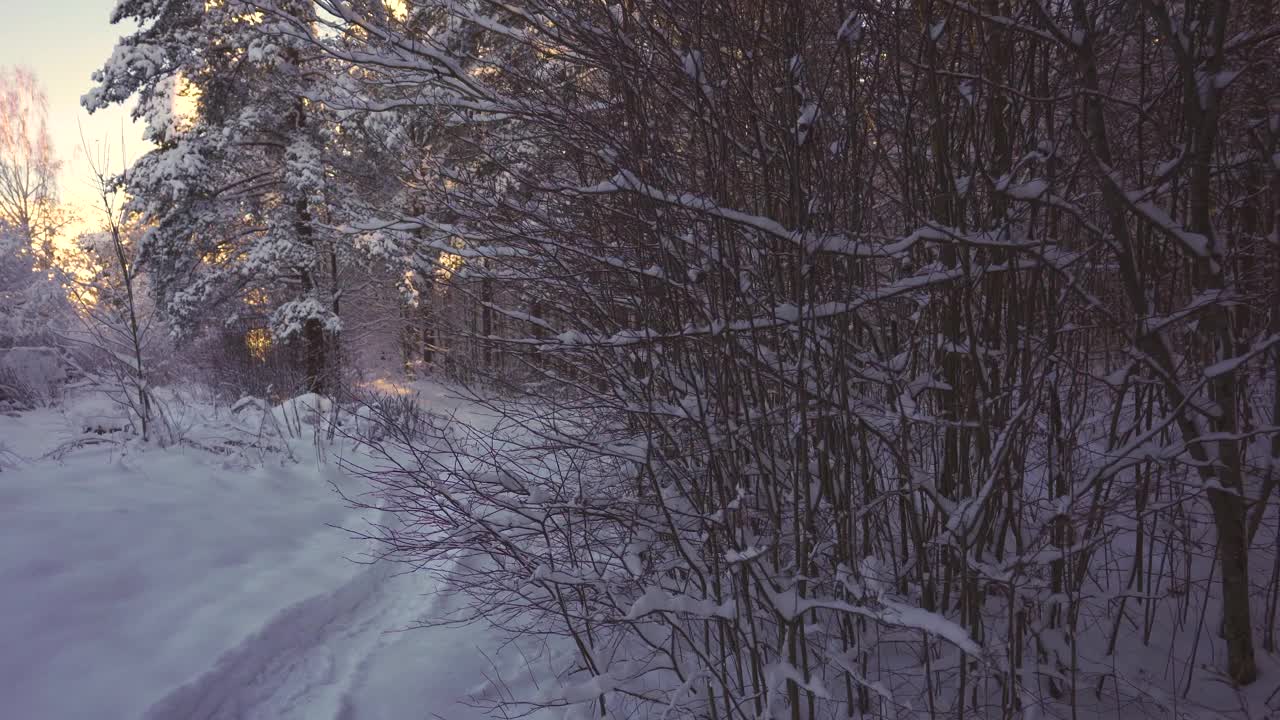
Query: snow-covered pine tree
237, 189
414, 222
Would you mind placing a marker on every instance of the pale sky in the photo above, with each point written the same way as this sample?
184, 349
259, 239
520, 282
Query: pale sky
64, 41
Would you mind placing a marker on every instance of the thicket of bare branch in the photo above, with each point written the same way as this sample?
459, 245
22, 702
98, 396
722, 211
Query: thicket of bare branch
861, 359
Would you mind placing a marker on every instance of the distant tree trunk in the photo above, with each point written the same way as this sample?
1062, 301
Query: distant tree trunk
486, 312
313, 335
407, 335
314, 350
428, 329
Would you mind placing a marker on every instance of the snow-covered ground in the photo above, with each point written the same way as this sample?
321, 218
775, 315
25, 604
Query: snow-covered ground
183, 583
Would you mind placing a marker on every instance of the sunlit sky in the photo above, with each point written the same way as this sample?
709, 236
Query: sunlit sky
64, 41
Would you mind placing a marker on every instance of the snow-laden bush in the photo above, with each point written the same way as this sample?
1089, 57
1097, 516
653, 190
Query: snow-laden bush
97, 413
859, 396
374, 412
227, 363
14, 394
31, 376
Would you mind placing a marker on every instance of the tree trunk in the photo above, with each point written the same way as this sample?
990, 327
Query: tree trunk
314, 349
1233, 557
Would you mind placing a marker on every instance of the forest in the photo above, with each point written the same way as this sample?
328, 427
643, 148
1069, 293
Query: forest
715, 359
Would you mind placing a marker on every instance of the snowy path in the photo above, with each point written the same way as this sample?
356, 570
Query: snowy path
166, 586
313, 660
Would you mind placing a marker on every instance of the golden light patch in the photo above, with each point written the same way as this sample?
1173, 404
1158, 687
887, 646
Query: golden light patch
258, 342
185, 104
385, 386
217, 257
399, 9
448, 265
256, 298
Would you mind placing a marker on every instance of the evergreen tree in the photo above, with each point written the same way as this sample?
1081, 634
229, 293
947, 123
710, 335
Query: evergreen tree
235, 193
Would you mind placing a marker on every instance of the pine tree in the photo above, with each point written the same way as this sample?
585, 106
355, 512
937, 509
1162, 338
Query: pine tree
233, 194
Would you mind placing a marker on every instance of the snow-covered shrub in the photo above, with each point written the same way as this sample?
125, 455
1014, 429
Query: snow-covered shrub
96, 413
234, 366
874, 381
33, 308
15, 394
31, 376
307, 409
378, 414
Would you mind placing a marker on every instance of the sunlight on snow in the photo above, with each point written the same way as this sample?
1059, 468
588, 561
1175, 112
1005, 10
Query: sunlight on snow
399, 9
185, 103
385, 386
